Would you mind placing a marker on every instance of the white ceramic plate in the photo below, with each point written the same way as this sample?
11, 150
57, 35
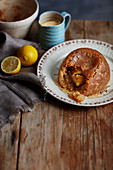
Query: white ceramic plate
50, 62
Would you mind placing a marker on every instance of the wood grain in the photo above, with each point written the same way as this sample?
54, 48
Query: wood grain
9, 138
99, 31
69, 137
59, 136
75, 30
47, 150
102, 120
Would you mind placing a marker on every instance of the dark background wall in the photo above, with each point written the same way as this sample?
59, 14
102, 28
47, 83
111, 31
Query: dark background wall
80, 9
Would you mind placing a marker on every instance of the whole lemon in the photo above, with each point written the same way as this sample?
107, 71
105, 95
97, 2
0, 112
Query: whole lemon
27, 54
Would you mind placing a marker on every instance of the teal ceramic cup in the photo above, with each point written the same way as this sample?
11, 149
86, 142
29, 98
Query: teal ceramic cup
52, 28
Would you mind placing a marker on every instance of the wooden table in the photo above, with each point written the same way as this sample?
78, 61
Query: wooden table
59, 136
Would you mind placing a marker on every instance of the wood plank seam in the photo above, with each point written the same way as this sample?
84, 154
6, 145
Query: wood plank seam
84, 35
18, 151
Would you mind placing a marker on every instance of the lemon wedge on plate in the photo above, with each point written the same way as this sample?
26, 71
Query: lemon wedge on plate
11, 65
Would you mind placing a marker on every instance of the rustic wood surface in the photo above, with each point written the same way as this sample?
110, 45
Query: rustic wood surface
59, 136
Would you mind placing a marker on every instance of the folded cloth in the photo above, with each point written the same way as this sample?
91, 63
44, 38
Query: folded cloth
20, 92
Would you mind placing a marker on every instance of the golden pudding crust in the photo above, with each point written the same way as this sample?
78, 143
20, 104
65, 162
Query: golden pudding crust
84, 70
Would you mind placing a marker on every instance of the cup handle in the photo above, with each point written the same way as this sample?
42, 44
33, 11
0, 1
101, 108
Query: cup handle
67, 19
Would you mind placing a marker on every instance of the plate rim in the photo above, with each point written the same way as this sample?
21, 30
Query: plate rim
45, 56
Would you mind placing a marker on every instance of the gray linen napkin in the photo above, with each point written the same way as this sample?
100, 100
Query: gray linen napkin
20, 92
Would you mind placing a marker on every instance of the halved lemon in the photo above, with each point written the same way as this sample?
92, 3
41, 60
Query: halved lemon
11, 65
